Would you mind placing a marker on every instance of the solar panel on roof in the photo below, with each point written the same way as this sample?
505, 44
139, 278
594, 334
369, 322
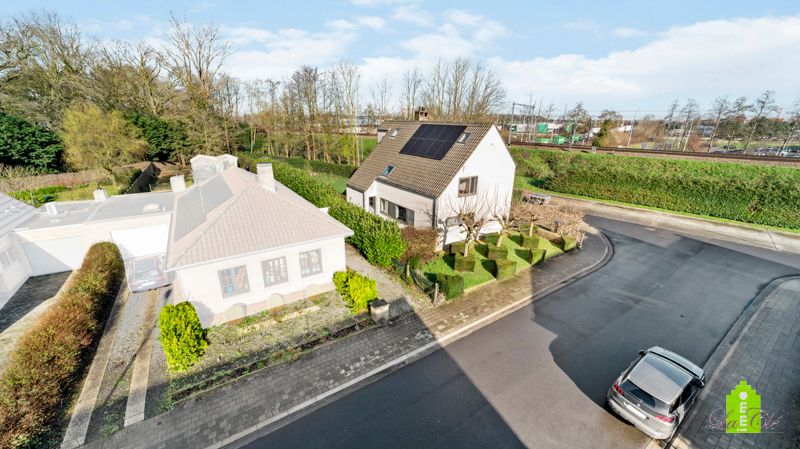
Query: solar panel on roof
432, 141
189, 213
214, 193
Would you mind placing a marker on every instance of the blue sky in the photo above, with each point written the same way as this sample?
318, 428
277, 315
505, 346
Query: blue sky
624, 55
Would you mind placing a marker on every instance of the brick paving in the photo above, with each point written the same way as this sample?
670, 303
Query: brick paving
767, 355
211, 418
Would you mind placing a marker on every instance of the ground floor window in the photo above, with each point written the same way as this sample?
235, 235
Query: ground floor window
398, 212
372, 203
274, 271
233, 281
311, 262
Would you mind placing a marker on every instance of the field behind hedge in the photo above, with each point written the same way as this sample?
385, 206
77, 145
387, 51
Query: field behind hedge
764, 195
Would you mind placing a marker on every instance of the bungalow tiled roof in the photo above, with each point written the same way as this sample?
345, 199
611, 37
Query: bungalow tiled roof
423, 175
232, 214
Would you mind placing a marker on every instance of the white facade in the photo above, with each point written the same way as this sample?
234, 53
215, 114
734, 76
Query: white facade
201, 285
14, 267
490, 162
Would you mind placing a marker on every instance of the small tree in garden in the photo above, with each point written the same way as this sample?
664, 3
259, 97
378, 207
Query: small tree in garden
529, 213
473, 213
182, 335
508, 218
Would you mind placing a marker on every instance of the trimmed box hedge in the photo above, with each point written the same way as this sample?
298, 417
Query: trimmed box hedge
504, 269
569, 243
530, 241
457, 247
355, 288
491, 238
537, 255
498, 252
47, 365
464, 263
451, 285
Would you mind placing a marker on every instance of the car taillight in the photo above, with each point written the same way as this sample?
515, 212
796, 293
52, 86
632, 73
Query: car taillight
667, 419
619, 390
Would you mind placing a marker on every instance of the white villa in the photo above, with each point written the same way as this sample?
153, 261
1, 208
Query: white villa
233, 244
422, 174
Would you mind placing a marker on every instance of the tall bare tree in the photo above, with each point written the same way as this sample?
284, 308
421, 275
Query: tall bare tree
381, 91
412, 84
719, 109
763, 106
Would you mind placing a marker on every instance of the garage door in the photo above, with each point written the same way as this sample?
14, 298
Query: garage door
142, 241
55, 256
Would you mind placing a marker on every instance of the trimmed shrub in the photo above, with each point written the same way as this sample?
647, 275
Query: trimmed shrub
498, 252
525, 254
569, 243
47, 365
379, 240
457, 247
420, 243
451, 285
182, 336
504, 269
530, 242
356, 289
464, 263
537, 255
491, 238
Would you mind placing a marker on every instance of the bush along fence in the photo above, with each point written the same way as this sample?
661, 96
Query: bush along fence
378, 239
757, 194
47, 365
357, 290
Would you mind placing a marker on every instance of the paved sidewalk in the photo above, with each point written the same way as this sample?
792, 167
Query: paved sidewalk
767, 355
219, 416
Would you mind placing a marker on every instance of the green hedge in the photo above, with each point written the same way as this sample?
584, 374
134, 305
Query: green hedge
451, 285
457, 247
343, 170
378, 239
531, 242
47, 365
356, 289
491, 238
504, 269
464, 263
497, 252
760, 194
569, 243
182, 336
537, 255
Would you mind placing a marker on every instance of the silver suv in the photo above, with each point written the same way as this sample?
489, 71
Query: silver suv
656, 391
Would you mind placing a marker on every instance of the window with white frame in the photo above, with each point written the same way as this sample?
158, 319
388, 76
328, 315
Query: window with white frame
274, 271
310, 262
394, 132
384, 206
388, 170
468, 186
233, 281
463, 138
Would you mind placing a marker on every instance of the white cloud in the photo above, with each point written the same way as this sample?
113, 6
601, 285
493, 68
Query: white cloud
625, 32
374, 22
412, 14
703, 60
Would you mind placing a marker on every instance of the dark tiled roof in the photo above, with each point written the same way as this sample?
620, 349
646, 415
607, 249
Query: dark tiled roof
425, 176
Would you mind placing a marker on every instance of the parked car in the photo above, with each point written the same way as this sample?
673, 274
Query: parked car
147, 273
656, 391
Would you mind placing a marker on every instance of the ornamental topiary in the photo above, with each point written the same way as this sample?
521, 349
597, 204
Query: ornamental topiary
182, 335
498, 252
356, 289
530, 241
464, 263
451, 285
457, 248
504, 269
569, 243
537, 255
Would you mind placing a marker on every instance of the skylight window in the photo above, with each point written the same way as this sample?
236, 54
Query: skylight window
388, 170
463, 138
394, 132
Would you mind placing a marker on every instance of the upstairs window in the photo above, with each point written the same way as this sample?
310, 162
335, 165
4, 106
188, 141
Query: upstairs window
463, 138
468, 186
388, 170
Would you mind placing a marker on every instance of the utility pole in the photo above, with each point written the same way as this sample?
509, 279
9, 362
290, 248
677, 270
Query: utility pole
511, 124
630, 133
536, 123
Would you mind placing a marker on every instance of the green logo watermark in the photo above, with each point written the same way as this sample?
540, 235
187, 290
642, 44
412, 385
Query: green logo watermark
743, 406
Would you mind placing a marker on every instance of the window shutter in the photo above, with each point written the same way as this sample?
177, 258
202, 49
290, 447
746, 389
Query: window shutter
392, 210
410, 217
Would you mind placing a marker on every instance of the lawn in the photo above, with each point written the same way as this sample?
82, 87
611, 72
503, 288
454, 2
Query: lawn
444, 263
38, 197
337, 183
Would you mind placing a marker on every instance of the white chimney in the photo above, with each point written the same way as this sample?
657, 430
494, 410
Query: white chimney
177, 183
265, 176
100, 195
50, 208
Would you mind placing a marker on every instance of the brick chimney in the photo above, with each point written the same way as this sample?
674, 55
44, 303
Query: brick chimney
421, 114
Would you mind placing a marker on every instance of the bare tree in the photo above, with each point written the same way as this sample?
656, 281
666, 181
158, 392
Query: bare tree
764, 105
736, 118
794, 118
381, 91
690, 113
508, 217
412, 82
719, 109
348, 80
473, 213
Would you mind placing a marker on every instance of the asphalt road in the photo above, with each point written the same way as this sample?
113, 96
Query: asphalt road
537, 378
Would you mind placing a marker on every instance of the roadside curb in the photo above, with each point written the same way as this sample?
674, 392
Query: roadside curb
427, 348
728, 344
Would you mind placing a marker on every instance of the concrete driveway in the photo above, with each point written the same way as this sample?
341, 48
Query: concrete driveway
537, 378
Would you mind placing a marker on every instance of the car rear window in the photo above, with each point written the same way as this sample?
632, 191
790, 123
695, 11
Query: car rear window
649, 402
